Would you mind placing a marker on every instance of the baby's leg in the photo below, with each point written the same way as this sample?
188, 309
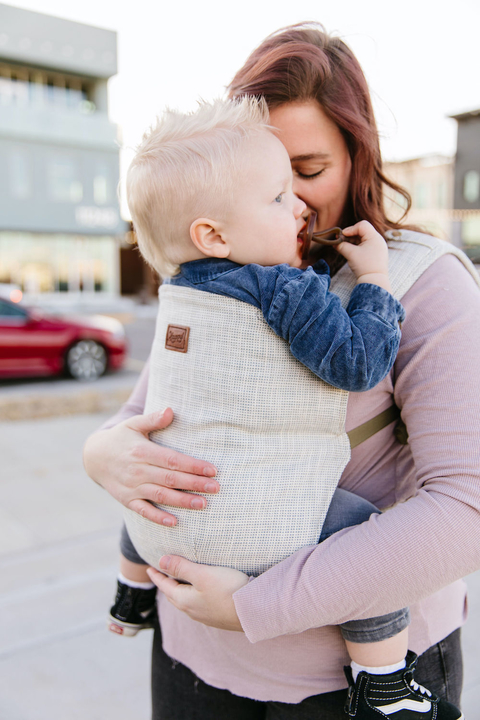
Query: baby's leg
379, 653
381, 673
132, 566
134, 606
375, 642
133, 571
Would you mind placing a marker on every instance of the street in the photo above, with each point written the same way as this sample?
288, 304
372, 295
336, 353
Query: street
58, 562
58, 552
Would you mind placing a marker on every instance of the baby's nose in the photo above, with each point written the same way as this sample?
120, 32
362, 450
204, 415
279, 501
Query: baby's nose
300, 207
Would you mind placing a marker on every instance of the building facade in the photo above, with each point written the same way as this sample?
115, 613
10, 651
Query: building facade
60, 225
430, 182
466, 203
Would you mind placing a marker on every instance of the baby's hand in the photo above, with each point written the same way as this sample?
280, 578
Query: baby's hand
369, 260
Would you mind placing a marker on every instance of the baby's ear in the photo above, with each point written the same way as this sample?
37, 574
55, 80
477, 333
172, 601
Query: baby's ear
207, 237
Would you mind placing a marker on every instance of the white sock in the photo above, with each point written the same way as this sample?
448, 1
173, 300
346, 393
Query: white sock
134, 583
385, 670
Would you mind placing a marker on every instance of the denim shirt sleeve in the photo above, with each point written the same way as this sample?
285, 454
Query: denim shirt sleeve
352, 349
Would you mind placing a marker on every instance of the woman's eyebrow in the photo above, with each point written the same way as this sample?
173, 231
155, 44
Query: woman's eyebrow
310, 156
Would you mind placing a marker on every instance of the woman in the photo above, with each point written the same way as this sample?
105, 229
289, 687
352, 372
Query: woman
285, 658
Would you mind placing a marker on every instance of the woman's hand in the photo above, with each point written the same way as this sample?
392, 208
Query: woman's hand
137, 472
209, 597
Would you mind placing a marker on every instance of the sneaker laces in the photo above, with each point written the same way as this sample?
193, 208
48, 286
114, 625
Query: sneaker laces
419, 688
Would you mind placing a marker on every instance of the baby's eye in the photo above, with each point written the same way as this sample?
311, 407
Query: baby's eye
278, 199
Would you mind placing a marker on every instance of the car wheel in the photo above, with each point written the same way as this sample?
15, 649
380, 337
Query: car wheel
86, 360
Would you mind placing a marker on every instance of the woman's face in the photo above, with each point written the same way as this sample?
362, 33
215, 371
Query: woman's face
320, 159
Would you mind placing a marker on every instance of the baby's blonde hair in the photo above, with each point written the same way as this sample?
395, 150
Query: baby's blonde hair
187, 167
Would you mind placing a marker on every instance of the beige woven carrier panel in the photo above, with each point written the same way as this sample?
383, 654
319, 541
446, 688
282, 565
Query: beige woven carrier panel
274, 430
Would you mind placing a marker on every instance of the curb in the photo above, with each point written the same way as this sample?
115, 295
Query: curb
35, 406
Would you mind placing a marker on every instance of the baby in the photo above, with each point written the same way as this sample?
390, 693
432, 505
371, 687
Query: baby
211, 199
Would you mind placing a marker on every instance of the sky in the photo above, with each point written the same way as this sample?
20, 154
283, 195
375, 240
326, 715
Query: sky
421, 57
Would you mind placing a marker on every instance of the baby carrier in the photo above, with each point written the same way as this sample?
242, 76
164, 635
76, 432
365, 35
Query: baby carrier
274, 430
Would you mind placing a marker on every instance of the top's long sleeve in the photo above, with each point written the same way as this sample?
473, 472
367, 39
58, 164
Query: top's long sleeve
419, 546
136, 402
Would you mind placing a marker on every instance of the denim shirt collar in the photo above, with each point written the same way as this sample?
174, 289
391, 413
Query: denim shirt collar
199, 271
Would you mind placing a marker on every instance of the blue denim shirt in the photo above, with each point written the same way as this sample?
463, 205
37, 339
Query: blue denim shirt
352, 349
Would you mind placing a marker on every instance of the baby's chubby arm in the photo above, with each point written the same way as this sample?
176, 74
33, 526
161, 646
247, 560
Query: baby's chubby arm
368, 260
354, 348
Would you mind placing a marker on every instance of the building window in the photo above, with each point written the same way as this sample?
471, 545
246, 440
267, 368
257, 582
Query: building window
100, 190
63, 182
13, 91
25, 86
442, 194
471, 231
40, 263
471, 186
420, 196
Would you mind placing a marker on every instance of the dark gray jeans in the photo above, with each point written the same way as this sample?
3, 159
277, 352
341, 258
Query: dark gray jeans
346, 510
177, 694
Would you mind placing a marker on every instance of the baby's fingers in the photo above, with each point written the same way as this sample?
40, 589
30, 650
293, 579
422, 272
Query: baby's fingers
361, 229
346, 249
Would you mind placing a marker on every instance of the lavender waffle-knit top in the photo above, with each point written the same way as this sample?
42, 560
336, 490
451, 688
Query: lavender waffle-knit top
414, 554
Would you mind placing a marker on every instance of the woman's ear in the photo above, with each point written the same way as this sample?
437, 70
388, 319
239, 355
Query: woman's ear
207, 237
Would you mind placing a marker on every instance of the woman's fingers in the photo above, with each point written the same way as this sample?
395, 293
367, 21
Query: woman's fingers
142, 473
163, 457
137, 472
182, 569
164, 583
161, 495
152, 513
153, 421
203, 592
176, 464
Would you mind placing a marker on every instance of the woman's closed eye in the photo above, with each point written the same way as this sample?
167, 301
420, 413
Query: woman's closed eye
309, 176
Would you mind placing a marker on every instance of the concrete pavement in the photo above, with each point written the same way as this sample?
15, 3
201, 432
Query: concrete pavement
58, 561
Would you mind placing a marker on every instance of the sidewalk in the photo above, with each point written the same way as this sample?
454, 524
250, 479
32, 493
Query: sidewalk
54, 397
58, 562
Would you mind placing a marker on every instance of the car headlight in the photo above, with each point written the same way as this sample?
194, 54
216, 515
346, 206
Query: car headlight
118, 333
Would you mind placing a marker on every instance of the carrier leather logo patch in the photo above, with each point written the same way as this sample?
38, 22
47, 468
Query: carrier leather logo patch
177, 338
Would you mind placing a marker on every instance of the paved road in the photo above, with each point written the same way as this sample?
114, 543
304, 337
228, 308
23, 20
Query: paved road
58, 559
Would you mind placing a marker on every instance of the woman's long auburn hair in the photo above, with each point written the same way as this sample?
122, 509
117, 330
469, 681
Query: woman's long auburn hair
301, 63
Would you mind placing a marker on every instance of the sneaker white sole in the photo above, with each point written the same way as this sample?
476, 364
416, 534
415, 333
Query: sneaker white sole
122, 628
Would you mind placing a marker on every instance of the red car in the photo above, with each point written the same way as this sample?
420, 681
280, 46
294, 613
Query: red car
33, 343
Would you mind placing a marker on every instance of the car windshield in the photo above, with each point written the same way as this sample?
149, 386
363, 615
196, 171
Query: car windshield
10, 310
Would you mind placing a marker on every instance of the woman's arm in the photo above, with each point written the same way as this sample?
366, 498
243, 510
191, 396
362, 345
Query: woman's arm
422, 545
137, 472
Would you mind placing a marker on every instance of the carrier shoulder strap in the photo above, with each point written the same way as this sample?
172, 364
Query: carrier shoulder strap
367, 429
411, 253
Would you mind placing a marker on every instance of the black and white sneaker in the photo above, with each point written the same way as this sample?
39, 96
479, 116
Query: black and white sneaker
134, 610
395, 696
